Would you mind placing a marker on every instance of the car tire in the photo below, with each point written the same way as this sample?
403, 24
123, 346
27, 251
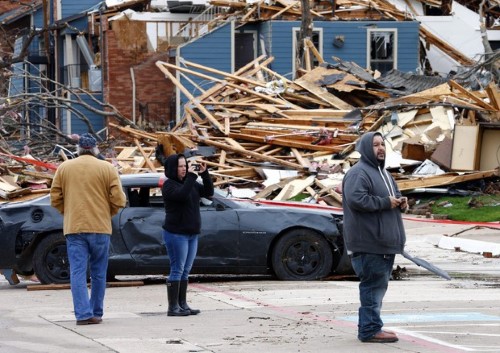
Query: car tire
50, 260
302, 254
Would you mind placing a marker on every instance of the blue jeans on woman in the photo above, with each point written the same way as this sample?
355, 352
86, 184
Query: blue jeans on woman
181, 250
88, 250
374, 272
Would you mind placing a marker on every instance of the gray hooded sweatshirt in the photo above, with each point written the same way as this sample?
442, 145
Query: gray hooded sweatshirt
370, 224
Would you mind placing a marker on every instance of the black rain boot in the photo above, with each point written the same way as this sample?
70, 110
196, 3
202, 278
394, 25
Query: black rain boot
173, 300
182, 299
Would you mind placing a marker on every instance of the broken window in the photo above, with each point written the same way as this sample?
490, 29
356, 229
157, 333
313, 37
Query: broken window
316, 39
382, 49
81, 69
144, 196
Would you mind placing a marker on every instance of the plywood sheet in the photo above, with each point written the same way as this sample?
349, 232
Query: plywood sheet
465, 147
490, 149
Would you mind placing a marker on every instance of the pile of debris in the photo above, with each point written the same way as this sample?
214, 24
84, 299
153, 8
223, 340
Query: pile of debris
266, 137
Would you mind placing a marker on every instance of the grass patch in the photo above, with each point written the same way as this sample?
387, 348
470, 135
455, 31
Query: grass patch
487, 208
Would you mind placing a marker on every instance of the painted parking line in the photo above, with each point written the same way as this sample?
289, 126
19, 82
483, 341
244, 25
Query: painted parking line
431, 317
425, 332
443, 334
430, 343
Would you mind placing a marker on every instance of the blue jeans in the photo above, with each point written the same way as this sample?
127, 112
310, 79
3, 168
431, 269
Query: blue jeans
88, 250
374, 272
181, 250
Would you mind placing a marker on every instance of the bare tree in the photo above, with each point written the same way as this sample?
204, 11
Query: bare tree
25, 112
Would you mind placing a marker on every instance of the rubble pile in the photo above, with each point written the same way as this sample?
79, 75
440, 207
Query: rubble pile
266, 137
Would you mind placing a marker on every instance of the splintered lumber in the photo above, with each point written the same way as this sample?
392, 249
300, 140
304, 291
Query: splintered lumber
323, 94
445, 47
252, 154
126, 153
314, 51
12, 193
145, 155
143, 135
174, 143
302, 161
290, 143
494, 95
444, 179
192, 99
328, 189
263, 194
189, 95
294, 188
471, 96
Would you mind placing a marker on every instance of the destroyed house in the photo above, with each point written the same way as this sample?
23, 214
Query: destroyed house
376, 45
53, 74
78, 73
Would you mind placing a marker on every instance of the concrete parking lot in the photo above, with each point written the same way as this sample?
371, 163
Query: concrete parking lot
253, 314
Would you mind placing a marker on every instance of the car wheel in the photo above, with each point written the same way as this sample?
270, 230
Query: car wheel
302, 254
50, 260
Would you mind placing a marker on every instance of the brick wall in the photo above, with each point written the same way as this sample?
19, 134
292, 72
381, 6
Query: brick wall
153, 91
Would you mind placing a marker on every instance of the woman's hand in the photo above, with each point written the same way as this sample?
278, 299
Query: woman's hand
203, 167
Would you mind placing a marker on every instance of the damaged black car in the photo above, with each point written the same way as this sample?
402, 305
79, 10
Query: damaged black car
237, 237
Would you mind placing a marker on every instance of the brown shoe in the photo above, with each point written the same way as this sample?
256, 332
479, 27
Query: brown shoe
10, 276
91, 321
382, 337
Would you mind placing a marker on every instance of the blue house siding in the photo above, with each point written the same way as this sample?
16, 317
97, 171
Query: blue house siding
282, 40
212, 50
25, 80
38, 19
77, 125
16, 84
355, 42
72, 7
265, 31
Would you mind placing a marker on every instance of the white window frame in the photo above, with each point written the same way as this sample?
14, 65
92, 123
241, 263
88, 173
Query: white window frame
369, 32
295, 31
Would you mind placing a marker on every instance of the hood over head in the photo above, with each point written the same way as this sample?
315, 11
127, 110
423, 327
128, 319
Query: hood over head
365, 147
171, 164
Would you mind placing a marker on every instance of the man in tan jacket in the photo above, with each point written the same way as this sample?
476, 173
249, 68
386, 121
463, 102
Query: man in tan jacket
88, 192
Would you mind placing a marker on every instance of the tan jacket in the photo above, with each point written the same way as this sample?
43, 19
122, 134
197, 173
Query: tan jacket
88, 192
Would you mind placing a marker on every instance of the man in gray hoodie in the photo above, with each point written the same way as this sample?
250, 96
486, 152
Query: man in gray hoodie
373, 231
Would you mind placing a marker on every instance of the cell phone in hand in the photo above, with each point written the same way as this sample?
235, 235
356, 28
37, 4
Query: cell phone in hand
196, 167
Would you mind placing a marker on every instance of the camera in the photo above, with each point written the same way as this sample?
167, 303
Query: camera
196, 167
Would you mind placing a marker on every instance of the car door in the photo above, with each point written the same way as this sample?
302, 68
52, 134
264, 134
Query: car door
141, 227
218, 246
